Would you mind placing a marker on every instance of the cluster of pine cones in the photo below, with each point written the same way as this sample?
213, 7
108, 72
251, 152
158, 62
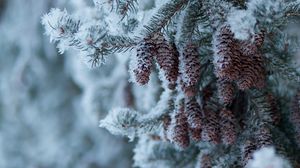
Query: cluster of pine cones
201, 124
156, 47
238, 62
198, 121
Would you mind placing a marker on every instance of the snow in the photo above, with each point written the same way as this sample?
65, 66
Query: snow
242, 23
267, 158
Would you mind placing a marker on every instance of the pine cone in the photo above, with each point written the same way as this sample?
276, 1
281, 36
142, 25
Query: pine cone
253, 72
228, 126
247, 150
211, 129
195, 134
227, 55
225, 91
274, 111
190, 72
205, 161
194, 114
180, 131
189, 91
263, 137
295, 117
259, 38
167, 59
145, 53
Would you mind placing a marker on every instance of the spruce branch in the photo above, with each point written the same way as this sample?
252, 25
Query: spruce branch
124, 7
191, 16
281, 68
164, 16
117, 44
292, 9
109, 45
126, 122
61, 27
238, 3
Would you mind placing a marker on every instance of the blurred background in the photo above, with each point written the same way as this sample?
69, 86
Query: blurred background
51, 104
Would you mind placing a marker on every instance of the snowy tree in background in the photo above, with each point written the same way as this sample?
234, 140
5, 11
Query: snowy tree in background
211, 83
50, 106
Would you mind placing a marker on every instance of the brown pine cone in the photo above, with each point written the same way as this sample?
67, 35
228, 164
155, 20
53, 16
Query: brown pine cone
259, 38
195, 134
189, 91
145, 52
225, 91
194, 113
167, 58
274, 110
180, 129
253, 71
263, 137
190, 72
227, 55
228, 127
211, 127
205, 161
248, 149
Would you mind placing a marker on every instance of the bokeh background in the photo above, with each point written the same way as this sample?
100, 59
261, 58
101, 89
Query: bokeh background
50, 103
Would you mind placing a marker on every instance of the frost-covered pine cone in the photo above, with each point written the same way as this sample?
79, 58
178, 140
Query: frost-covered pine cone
259, 38
190, 67
225, 91
295, 117
205, 161
180, 128
227, 55
189, 91
195, 134
211, 127
194, 113
248, 149
253, 71
228, 126
274, 110
167, 59
145, 53
263, 137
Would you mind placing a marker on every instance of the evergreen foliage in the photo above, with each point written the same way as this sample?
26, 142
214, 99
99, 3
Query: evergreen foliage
226, 77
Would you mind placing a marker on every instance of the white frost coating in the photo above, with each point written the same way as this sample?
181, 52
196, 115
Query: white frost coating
58, 28
53, 21
132, 65
267, 158
242, 23
121, 121
162, 77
